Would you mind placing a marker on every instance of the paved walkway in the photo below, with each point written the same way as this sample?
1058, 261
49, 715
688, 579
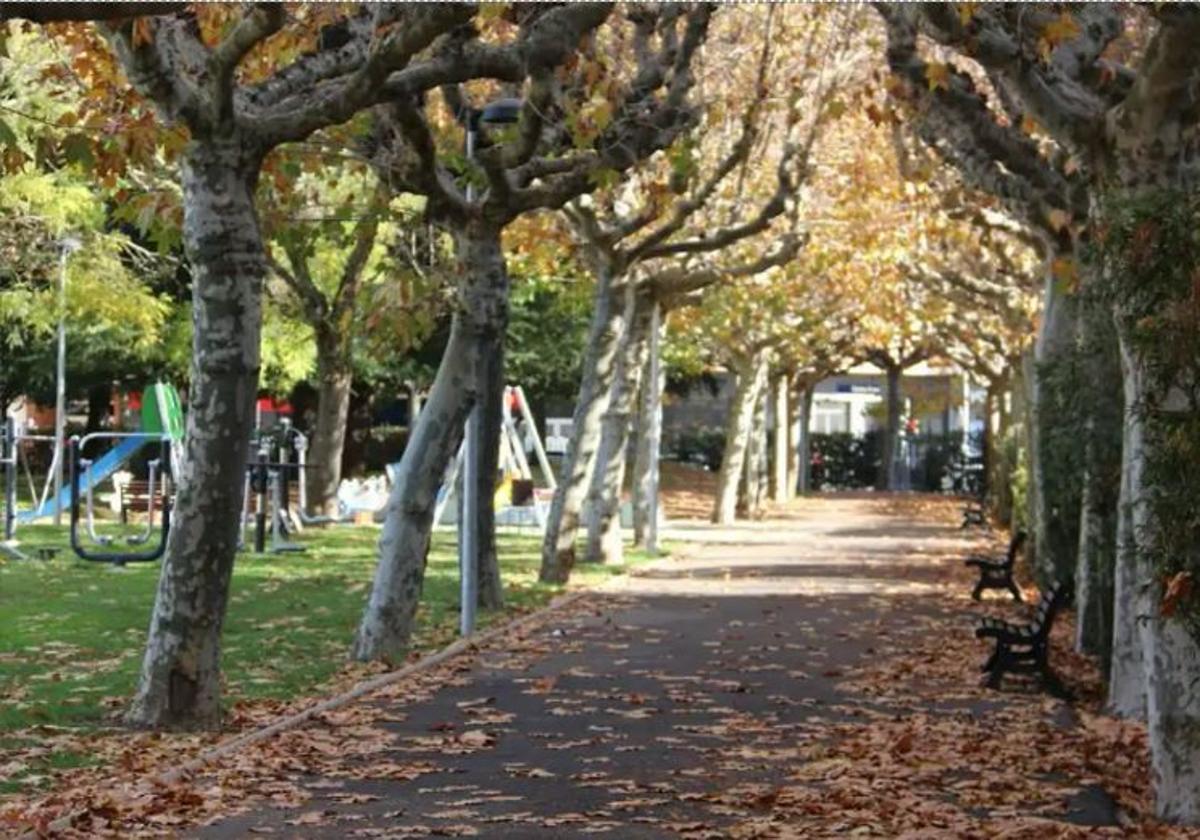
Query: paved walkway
706, 700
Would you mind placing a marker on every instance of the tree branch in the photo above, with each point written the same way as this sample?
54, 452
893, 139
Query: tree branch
43, 12
324, 102
261, 22
153, 70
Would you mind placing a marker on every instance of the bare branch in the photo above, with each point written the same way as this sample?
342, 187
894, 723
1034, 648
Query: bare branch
299, 280
365, 233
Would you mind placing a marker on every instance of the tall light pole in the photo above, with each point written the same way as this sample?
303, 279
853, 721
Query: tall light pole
502, 111
69, 246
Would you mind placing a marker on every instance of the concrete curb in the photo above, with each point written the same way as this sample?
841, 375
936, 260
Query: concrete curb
363, 689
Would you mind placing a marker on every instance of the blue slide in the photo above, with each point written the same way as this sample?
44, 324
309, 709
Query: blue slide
101, 469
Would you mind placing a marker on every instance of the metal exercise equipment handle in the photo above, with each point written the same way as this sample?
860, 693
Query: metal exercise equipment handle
117, 557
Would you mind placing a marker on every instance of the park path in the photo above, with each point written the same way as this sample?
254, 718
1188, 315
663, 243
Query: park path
734, 691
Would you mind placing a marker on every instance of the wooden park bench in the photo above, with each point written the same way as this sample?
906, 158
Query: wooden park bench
998, 573
1024, 648
133, 496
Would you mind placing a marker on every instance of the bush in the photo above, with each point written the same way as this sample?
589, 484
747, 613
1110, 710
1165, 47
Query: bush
703, 445
842, 461
381, 445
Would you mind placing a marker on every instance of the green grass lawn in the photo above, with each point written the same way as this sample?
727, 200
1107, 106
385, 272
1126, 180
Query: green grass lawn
71, 633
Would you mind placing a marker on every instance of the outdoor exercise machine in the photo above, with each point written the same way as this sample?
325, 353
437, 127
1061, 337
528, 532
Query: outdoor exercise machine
103, 548
161, 420
295, 441
266, 489
12, 458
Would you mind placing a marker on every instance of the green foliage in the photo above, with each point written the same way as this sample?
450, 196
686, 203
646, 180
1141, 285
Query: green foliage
843, 461
288, 351
1066, 399
115, 321
1017, 469
547, 331
1149, 251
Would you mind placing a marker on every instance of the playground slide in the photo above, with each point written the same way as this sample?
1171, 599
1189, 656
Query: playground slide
101, 469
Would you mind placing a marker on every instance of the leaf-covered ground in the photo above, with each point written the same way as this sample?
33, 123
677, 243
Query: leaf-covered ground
72, 635
812, 676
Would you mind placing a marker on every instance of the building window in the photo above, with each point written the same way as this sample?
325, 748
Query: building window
830, 417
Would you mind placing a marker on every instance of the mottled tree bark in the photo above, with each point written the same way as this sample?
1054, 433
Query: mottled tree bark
608, 475
333, 409
180, 678
749, 379
1170, 657
754, 476
649, 445
491, 586
476, 336
599, 367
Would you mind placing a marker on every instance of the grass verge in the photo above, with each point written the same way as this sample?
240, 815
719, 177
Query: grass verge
72, 633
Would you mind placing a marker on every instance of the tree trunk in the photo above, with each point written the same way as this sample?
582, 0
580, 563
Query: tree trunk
608, 475
801, 437
333, 411
599, 364
888, 472
1170, 658
476, 337
1054, 493
99, 402
755, 477
487, 450
645, 472
180, 682
991, 447
1100, 365
749, 377
781, 489
1000, 465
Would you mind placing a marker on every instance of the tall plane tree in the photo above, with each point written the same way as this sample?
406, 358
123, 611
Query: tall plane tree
658, 237
586, 118
241, 82
1127, 126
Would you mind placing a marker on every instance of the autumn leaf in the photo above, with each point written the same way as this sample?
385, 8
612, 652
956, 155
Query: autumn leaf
1059, 219
1066, 271
143, 31
1179, 588
937, 74
1064, 28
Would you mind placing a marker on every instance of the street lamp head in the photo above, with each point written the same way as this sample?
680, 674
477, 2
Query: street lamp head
501, 111
71, 244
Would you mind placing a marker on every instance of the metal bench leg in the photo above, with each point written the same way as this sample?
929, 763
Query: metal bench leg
1015, 590
975, 593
